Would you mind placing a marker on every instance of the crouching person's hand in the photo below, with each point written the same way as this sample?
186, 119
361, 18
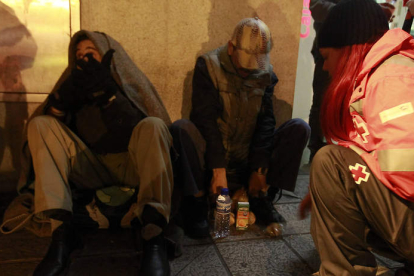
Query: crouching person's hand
305, 206
218, 181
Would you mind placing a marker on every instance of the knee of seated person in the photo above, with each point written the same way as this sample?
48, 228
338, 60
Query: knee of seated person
151, 123
180, 125
320, 163
301, 126
38, 122
323, 160
298, 127
150, 127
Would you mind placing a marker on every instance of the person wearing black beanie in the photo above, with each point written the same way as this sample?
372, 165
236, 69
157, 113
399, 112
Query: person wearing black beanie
361, 193
352, 22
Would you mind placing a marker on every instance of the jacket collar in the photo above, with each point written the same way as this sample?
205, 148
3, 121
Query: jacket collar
264, 76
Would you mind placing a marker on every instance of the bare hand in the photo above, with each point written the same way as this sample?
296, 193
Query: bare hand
257, 183
218, 181
305, 206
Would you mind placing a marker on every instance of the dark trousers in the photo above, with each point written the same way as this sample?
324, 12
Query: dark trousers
319, 84
289, 141
353, 213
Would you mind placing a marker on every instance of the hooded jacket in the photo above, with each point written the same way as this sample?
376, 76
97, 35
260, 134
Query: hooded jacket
132, 81
382, 110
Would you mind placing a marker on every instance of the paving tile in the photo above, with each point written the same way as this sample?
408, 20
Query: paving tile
199, 261
17, 269
388, 262
262, 257
294, 225
189, 241
22, 245
304, 169
255, 231
304, 246
190, 253
301, 190
288, 197
105, 265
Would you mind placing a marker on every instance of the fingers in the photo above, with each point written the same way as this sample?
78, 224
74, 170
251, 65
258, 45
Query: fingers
92, 61
305, 206
303, 212
82, 64
88, 65
106, 59
257, 184
218, 183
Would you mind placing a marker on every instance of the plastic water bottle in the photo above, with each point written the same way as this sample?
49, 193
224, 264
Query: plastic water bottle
222, 220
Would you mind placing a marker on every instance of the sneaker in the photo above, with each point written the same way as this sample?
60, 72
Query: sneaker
264, 210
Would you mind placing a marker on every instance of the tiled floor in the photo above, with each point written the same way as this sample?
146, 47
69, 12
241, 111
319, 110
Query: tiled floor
248, 253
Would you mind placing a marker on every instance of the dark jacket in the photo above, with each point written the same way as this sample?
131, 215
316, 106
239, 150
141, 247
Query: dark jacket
234, 115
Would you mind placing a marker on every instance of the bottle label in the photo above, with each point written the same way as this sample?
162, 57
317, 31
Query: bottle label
223, 207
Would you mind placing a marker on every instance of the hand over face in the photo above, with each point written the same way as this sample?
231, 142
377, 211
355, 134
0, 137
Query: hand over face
94, 78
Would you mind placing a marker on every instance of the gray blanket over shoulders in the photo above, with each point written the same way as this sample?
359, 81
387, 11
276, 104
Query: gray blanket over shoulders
138, 89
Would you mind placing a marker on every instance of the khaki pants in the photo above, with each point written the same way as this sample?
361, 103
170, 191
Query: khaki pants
60, 157
349, 220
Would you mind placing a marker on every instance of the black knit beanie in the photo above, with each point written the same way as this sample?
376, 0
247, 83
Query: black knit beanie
352, 22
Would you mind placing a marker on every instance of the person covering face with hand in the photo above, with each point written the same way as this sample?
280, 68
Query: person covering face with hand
106, 125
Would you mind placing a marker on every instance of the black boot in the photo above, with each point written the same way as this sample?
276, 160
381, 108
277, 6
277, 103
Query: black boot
195, 210
155, 260
264, 210
64, 240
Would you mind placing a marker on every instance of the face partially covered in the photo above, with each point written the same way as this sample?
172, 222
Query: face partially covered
243, 72
331, 58
85, 47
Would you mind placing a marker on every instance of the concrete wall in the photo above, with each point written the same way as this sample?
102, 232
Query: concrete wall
164, 37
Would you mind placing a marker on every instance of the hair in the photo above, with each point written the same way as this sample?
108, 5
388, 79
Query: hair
336, 120
81, 37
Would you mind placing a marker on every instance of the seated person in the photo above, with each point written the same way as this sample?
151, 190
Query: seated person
362, 185
232, 130
105, 125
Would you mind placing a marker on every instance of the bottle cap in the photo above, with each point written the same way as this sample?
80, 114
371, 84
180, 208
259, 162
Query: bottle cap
224, 191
